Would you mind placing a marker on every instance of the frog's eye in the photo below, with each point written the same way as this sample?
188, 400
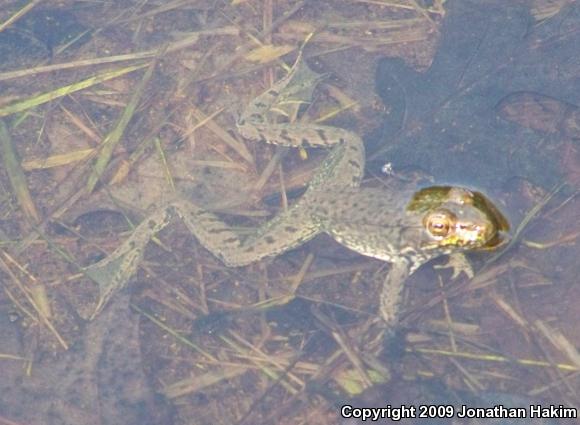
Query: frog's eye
439, 223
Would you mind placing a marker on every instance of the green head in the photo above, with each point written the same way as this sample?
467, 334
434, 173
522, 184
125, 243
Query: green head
457, 219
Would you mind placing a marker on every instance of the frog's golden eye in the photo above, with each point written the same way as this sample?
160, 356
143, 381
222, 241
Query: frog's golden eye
439, 223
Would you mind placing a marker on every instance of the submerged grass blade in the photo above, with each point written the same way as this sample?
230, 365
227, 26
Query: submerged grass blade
19, 14
113, 138
16, 174
40, 99
57, 160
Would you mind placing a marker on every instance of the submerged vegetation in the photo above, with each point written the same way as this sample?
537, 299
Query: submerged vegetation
109, 111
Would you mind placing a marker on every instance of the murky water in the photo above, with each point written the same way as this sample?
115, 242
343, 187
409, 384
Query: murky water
480, 94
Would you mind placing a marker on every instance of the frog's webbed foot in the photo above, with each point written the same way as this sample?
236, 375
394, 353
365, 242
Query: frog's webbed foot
112, 273
295, 89
115, 271
344, 167
459, 263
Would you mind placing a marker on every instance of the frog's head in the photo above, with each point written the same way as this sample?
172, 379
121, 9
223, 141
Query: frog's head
457, 219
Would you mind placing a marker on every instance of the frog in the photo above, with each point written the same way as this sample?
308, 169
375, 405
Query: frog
405, 228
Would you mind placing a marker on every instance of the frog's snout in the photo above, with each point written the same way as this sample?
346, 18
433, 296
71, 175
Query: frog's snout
475, 233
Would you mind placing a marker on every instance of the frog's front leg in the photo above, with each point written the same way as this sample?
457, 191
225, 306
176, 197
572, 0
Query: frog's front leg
392, 293
393, 290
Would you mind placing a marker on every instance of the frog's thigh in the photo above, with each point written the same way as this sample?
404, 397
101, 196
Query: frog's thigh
276, 237
286, 231
213, 233
344, 165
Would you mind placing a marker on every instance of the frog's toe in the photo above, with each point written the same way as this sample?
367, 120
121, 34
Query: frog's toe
459, 263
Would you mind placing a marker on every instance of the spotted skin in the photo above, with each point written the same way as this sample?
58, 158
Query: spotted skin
374, 222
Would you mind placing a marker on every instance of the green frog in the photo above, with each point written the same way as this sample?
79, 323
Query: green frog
405, 228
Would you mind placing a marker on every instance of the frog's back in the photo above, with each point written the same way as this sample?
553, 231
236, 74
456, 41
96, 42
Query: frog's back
371, 221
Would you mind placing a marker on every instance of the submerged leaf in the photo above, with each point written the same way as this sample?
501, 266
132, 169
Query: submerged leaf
268, 53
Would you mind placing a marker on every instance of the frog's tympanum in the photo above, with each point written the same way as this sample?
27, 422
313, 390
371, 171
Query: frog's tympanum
406, 228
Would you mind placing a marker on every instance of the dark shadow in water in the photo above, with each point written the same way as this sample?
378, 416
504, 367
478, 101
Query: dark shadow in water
100, 380
445, 121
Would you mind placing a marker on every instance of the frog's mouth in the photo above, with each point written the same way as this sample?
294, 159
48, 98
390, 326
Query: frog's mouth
499, 239
499, 224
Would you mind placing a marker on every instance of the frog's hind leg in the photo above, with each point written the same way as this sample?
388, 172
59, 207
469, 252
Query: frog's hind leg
113, 272
296, 87
344, 167
287, 230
